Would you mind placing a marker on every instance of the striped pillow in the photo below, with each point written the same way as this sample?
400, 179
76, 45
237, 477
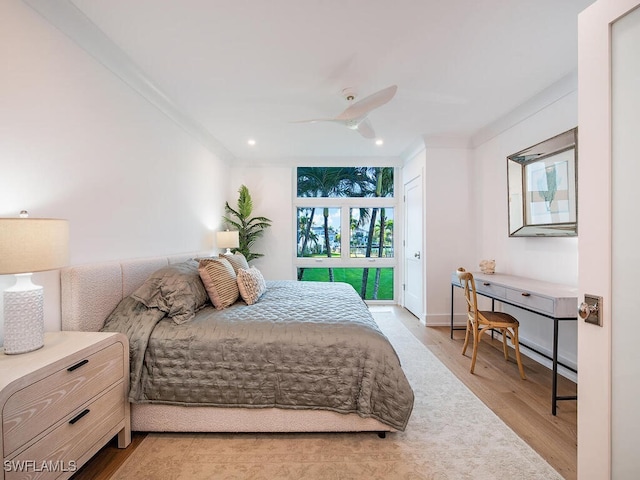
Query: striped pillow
251, 284
237, 261
219, 281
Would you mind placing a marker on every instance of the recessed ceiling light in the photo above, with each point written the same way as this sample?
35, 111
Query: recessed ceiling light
379, 142
251, 142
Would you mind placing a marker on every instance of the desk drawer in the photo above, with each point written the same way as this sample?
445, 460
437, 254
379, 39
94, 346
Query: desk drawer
62, 448
486, 287
33, 409
530, 300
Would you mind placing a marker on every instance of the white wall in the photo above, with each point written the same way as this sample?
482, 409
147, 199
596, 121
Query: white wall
449, 226
78, 143
448, 223
271, 190
549, 259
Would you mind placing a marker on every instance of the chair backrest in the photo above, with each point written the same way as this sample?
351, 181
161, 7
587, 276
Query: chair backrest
469, 285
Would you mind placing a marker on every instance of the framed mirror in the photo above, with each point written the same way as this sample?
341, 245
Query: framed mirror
542, 188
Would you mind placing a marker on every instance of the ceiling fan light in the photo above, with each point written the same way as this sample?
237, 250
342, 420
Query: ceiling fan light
379, 142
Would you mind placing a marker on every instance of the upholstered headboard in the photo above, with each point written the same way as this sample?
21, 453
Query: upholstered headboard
90, 292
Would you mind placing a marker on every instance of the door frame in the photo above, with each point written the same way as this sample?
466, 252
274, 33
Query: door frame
420, 179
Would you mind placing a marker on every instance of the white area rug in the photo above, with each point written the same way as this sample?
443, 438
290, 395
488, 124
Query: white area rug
451, 435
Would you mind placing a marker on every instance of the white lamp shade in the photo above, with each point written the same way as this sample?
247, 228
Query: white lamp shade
228, 239
33, 244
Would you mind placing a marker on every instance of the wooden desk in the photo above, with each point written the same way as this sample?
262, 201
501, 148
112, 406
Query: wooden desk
555, 301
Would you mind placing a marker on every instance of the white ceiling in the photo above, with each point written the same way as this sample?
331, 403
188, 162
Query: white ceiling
245, 69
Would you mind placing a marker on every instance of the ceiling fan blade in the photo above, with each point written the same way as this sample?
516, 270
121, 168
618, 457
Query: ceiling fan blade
364, 106
365, 129
313, 120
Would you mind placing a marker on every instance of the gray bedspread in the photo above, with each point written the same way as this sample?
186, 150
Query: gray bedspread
303, 345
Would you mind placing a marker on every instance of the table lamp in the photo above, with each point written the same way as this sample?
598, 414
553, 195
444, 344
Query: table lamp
228, 239
28, 245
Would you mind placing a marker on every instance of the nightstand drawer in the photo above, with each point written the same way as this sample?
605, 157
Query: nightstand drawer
33, 409
62, 449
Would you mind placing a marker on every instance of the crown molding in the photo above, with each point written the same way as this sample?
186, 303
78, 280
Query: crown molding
71, 21
413, 150
446, 141
557, 91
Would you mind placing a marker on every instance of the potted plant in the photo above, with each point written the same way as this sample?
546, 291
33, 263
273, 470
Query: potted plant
249, 228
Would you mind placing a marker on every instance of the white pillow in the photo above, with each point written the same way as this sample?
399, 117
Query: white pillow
251, 284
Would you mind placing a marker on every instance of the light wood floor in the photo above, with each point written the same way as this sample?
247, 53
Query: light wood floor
524, 405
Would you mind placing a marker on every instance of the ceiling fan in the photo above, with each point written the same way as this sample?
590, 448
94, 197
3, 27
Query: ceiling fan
355, 116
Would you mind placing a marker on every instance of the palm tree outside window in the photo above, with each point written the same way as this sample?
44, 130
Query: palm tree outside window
358, 200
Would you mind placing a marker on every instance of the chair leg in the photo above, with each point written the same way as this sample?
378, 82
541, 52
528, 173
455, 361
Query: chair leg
505, 349
466, 339
476, 341
516, 346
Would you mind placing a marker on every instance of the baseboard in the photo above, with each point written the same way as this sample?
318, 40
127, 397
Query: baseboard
444, 320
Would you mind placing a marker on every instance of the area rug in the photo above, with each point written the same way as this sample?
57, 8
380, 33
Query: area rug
451, 435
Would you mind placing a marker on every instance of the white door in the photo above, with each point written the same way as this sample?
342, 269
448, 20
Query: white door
609, 238
413, 254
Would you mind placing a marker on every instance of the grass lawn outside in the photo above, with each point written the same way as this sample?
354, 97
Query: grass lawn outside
353, 276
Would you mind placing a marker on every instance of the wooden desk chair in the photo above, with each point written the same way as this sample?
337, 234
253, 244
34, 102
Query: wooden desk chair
480, 321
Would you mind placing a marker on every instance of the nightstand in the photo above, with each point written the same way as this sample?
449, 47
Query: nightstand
62, 403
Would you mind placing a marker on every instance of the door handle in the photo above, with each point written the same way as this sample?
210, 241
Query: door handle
591, 310
417, 255
585, 309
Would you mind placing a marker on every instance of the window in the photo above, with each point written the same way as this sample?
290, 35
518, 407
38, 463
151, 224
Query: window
371, 232
345, 227
319, 232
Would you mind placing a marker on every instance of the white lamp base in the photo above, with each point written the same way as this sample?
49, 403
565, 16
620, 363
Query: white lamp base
23, 316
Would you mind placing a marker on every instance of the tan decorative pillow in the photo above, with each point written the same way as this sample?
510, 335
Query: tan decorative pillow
251, 284
175, 290
219, 281
237, 261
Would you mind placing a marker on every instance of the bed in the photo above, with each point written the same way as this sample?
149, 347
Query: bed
287, 362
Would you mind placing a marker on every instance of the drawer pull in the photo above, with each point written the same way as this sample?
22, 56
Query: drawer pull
77, 365
525, 294
486, 284
79, 416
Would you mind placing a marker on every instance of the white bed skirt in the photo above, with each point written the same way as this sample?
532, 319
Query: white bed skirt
172, 418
